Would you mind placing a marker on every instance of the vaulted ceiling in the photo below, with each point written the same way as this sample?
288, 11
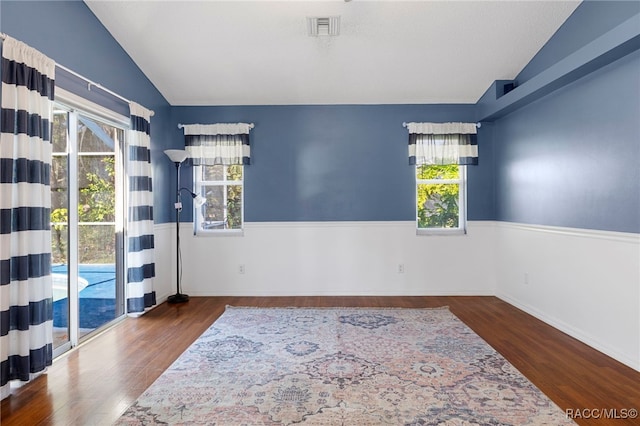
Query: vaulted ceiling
211, 52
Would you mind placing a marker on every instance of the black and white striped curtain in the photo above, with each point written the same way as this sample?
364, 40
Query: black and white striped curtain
26, 303
140, 242
220, 143
442, 143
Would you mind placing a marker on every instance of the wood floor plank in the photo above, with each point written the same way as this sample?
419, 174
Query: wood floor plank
96, 382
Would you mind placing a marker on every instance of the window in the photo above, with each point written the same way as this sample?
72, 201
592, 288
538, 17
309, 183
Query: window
440, 153
222, 187
219, 153
440, 198
87, 212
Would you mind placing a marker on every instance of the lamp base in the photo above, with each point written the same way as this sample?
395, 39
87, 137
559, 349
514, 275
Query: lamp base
178, 298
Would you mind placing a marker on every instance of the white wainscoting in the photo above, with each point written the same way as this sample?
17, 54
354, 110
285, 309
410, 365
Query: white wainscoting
334, 258
585, 283
165, 253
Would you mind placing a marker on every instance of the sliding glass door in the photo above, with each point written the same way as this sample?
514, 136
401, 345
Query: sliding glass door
86, 225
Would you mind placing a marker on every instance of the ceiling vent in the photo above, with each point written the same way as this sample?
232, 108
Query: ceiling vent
328, 26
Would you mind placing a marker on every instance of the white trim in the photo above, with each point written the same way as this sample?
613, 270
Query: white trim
437, 181
332, 293
73, 320
97, 153
571, 331
327, 224
624, 237
349, 224
89, 108
441, 232
628, 237
218, 233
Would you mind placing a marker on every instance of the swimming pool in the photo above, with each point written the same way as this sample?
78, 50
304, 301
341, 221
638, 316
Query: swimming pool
97, 295
94, 280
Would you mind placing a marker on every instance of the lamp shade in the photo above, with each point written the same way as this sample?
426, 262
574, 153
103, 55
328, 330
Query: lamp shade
176, 155
199, 200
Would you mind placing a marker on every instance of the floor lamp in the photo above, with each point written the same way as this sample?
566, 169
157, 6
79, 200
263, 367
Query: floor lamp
177, 156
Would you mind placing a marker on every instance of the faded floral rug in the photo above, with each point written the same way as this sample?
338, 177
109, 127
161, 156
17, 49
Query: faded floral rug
341, 366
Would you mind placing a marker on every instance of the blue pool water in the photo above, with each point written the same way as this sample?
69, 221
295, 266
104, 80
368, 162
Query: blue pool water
97, 300
101, 279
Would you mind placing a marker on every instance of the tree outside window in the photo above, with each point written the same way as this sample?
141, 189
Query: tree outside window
439, 196
222, 187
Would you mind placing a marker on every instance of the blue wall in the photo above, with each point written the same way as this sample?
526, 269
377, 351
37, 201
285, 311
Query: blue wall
572, 159
590, 20
569, 158
338, 162
69, 33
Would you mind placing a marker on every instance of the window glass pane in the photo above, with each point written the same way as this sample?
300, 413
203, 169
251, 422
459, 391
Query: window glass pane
221, 186
212, 172
234, 207
59, 135
59, 209
97, 137
234, 172
438, 205
213, 210
59, 188
96, 188
96, 244
59, 243
450, 171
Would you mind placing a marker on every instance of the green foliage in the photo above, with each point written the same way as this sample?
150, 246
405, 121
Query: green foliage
96, 203
234, 198
97, 199
219, 190
437, 203
59, 219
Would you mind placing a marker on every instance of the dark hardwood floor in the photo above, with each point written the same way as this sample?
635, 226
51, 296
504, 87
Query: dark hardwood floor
96, 382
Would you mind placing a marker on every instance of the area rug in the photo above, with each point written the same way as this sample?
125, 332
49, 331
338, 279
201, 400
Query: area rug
341, 366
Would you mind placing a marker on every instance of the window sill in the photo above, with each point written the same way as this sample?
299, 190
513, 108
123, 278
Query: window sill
441, 231
221, 233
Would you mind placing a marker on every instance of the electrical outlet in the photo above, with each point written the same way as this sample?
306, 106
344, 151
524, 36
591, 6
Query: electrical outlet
526, 278
241, 269
401, 268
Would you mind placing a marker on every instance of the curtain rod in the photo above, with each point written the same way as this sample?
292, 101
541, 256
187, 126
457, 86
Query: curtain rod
181, 126
90, 83
99, 86
478, 124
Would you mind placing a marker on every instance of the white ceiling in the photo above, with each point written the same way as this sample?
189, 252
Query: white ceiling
211, 52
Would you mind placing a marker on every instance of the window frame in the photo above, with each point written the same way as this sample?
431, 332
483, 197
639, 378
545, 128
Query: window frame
461, 229
198, 219
74, 106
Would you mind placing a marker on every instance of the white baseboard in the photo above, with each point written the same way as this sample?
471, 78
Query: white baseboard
574, 332
585, 283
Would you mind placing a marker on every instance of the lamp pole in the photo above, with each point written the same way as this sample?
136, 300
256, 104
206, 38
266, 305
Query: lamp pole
178, 297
